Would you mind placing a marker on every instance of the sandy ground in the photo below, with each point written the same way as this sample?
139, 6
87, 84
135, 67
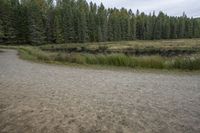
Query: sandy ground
39, 98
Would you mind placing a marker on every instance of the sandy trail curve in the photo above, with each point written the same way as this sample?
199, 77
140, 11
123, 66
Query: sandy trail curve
40, 98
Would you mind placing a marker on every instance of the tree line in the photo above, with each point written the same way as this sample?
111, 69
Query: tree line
64, 21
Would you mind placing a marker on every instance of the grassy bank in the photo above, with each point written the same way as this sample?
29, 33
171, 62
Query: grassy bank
181, 54
155, 62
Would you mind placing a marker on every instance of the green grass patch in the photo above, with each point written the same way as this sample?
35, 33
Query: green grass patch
34, 53
154, 62
102, 58
139, 47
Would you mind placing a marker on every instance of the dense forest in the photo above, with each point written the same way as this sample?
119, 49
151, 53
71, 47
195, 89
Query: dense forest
63, 21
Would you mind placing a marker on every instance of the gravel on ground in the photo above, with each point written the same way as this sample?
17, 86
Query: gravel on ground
42, 98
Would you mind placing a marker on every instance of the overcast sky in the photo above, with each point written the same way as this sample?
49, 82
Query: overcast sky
171, 7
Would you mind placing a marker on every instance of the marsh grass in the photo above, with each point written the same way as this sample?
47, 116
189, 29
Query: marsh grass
191, 63
155, 62
33, 53
169, 48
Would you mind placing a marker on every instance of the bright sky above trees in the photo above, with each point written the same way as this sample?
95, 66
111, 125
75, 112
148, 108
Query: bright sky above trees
171, 7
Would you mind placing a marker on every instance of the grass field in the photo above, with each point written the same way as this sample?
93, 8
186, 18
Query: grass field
164, 54
161, 47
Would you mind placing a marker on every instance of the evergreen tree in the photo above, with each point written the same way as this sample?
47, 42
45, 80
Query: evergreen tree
158, 26
92, 23
102, 22
110, 26
63, 21
182, 26
100, 35
148, 29
173, 25
36, 22
196, 29
1, 31
58, 32
50, 19
132, 26
166, 28
7, 21
189, 28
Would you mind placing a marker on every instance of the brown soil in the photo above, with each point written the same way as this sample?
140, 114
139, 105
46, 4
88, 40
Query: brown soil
39, 98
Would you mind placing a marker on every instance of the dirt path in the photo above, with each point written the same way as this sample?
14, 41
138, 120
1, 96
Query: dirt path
39, 98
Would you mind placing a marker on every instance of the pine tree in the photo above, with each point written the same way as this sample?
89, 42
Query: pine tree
182, 26
147, 32
189, 28
100, 36
36, 22
158, 26
1, 31
50, 18
82, 27
92, 23
196, 29
110, 26
133, 26
166, 28
64, 21
1, 22
114, 28
7, 21
58, 32
102, 22
82, 15
128, 35
67, 20
173, 25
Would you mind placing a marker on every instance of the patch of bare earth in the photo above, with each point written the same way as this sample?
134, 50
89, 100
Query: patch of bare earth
38, 98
